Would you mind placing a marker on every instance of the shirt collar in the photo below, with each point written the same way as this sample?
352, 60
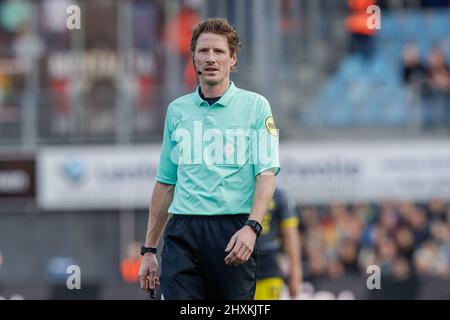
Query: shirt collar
223, 101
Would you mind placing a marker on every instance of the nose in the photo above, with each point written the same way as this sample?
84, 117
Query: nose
210, 58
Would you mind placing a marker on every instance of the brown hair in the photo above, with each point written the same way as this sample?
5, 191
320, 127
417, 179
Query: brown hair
218, 26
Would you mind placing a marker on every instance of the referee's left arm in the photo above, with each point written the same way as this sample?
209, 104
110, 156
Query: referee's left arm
242, 242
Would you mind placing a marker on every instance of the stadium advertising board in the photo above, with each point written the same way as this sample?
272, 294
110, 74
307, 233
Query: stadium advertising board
351, 172
123, 177
96, 177
17, 178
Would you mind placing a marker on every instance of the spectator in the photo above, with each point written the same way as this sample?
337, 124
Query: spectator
317, 265
370, 235
414, 72
387, 252
430, 260
311, 224
129, 266
405, 241
419, 225
54, 23
361, 36
335, 269
401, 270
441, 233
178, 39
438, 71
348, 255
405, 210
389, 219
364, 212
437, 98
366, 258
436, 210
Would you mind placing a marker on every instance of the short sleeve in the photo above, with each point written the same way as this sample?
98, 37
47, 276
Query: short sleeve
265, 142
168, 166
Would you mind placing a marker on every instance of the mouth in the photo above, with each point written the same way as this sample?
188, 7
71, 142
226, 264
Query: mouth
211, 69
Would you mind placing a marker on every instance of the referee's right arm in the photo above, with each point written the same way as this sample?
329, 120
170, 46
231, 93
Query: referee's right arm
166, 178
158, 213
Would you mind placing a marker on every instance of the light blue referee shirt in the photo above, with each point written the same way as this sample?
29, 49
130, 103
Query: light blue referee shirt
212, 154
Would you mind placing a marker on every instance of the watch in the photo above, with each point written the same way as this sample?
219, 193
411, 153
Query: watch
255, 225
145, 250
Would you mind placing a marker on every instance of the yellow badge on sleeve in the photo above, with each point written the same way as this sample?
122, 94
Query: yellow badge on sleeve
270, 126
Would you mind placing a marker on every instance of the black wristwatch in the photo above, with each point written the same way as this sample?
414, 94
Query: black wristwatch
255, 226
145, 250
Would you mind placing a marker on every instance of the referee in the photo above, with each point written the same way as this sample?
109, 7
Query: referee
215, 179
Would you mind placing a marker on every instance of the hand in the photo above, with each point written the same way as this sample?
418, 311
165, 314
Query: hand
147, 272
295, 280
241, 246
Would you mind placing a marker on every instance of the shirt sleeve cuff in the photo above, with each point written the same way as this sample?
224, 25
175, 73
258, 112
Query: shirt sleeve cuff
275, 170
165, 181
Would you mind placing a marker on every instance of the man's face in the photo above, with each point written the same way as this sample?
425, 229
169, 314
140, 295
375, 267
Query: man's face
212, 57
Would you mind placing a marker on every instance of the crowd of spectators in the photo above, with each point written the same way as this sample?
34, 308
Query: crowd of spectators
33, 34
404, 239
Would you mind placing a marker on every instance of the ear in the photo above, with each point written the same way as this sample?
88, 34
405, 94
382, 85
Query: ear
233, 60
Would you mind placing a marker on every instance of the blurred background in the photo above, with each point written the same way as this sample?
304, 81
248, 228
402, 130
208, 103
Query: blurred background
364, 118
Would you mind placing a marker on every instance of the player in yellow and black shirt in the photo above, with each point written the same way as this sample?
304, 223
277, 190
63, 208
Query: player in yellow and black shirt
279, 231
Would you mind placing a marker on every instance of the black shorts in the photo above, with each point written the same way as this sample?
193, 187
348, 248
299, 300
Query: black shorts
193, 260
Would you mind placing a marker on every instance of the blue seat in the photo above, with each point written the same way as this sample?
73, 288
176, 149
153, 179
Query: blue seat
338, 114
393, 110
